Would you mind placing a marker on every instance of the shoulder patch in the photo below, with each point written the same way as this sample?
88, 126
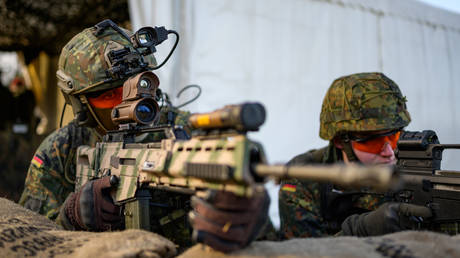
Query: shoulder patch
37, 161
289, 188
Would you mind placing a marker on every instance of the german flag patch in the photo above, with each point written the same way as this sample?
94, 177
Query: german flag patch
288, 187
37, 161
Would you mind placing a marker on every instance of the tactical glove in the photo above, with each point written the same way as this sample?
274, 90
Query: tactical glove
92, 208
388, 218
227, 222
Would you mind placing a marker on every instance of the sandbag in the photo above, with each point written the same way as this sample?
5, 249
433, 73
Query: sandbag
397, 245
24, 233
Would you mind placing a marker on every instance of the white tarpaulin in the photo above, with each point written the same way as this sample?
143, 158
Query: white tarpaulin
286, 53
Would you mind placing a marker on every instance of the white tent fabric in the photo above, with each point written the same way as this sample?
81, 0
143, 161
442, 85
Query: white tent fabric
285, 54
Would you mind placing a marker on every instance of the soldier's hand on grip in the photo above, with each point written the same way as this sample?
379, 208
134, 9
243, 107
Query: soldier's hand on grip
92, 208
227, 222
388, 218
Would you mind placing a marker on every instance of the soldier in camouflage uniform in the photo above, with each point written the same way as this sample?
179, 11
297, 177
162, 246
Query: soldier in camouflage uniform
93, 92
361, 116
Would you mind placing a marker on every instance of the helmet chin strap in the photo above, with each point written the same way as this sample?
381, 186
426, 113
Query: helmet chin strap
102, 128
347, 148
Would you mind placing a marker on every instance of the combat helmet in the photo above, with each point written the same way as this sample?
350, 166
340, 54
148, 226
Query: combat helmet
362, 102
98, 58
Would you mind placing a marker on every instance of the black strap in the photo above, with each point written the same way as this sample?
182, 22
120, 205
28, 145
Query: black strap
346, 143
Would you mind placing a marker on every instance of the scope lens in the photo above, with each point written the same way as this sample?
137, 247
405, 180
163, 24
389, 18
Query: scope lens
144, 83
145, 37
145, 112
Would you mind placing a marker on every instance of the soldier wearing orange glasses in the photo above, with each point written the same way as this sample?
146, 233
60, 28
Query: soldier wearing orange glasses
361, 116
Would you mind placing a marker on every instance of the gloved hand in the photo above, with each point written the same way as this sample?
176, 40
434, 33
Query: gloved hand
388, 218
92, 208
227, 222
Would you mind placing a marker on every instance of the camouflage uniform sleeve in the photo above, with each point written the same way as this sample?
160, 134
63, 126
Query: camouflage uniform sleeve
300, 210
300, 205
46, 186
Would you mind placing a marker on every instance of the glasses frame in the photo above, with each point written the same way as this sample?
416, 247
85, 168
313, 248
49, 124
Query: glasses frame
373, 136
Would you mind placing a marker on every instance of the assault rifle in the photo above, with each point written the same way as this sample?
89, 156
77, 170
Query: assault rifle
219, 155
419, 157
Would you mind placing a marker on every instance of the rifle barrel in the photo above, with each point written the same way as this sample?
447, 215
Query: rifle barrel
376, 177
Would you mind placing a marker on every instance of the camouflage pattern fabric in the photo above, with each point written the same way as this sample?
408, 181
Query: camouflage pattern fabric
51, 176
52, 170
83, 59
300, 204
362, 102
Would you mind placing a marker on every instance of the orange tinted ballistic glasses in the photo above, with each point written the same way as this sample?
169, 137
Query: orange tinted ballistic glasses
107, 99
375, 143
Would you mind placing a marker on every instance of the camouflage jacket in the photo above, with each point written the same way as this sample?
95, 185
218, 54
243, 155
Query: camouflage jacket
311, 209
51, 175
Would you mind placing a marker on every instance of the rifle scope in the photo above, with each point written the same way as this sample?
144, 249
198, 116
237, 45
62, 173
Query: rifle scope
138, 104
